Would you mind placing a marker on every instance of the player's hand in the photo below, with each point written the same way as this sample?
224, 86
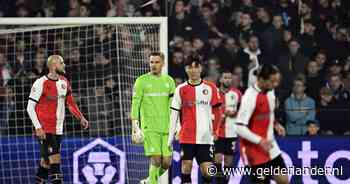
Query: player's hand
281, 131
266, 144
136, 134
40, 133
84, 123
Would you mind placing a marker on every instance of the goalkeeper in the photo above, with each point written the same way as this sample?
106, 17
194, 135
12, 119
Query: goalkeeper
150, 110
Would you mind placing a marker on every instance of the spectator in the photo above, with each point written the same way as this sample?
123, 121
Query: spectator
289, 12
213, 70
227, 53
291, 63
180, 23
321, 60
312, 128
272, 37
341, 95
7, 106
5, 69
309, 44
245, 29
84, 10
176, 65
238, 71
74, 10
299, 108
314, 81
250, 59
263, 20
330, 116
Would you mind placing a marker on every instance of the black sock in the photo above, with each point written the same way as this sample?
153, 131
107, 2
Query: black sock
227, 177
56, 176
207, 180
219, 177
41, 175
185, 178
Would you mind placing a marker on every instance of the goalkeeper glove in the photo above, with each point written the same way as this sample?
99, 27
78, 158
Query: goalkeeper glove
137, 135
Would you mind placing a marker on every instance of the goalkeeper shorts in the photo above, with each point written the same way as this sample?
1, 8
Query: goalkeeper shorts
156, 143
50, 145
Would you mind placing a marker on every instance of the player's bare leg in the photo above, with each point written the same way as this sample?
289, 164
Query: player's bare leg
156, 161
219, 177
43, 172
281, 179
166, 162
207, 178
186, 168
55, 174
228, 162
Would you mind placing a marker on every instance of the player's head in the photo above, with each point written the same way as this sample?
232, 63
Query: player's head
268, 77
156, 62
226, 79
193, 69
55, 63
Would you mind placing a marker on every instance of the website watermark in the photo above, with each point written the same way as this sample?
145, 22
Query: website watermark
274, 171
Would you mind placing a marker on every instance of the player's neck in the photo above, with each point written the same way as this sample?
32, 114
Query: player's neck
194, 82
224, 88
261, 87
156, 74
53, 76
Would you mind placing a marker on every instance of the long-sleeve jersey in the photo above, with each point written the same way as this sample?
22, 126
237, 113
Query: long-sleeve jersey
151, 102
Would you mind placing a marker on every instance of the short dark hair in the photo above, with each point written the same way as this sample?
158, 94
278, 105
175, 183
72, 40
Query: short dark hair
194, 59
266, 70
301, 77
160, 54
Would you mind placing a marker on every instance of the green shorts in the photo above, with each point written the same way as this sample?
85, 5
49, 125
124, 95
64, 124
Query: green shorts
156, 143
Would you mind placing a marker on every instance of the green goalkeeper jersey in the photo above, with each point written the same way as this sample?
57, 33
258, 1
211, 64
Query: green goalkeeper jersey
151, 102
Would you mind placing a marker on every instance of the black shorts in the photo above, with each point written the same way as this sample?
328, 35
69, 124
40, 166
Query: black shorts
202, 152
257, 170
226, 146
49, 146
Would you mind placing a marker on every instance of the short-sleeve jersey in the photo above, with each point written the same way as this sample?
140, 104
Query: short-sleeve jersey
257, 113
231, 100
195, 103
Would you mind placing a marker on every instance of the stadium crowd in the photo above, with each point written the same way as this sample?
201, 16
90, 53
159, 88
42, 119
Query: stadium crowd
308, 40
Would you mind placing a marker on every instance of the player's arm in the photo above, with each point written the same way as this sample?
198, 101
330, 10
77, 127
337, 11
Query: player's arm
216, 103
74, 109
244, 114
34, 98
135, 111
175, 109
231, 104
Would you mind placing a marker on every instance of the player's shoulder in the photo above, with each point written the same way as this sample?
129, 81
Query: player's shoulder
235, 91
61, 77
143, 77
251, 92
167, 77
184, 84
209, 83
40, 80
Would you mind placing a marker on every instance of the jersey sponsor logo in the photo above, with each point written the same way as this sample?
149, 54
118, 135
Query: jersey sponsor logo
197, 102
63, 86
49, 97
205, 91
262, 116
